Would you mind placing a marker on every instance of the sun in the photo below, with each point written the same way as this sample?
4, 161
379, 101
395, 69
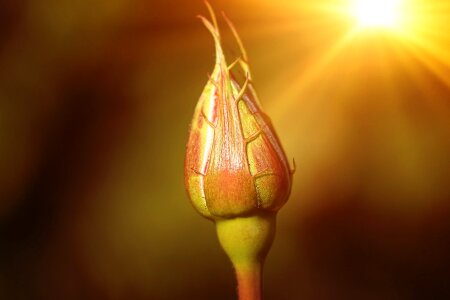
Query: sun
377, 13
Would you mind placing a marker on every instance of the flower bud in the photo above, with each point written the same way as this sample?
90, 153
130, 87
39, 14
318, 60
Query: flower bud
235, 165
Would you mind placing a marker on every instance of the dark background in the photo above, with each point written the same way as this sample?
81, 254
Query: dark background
95, 102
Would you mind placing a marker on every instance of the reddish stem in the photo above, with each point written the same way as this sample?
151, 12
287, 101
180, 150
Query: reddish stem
249, 278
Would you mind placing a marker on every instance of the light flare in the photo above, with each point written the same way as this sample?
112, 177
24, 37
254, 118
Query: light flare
377, 13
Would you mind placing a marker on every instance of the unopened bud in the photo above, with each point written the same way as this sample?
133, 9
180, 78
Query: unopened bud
235, 165
236, 172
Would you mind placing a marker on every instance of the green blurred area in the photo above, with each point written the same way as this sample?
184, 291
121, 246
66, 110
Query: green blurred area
95, 102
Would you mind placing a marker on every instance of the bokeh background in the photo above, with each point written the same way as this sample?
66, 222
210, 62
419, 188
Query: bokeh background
95, 101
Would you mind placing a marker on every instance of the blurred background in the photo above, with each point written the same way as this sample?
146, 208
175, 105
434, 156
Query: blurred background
95, 102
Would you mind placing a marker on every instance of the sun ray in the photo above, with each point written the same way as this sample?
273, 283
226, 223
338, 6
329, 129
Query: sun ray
305, 77
377, 13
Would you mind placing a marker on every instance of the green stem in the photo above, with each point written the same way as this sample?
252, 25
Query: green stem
246, 242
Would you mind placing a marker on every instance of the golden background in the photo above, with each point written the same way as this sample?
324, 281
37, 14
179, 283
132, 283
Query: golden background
95, 102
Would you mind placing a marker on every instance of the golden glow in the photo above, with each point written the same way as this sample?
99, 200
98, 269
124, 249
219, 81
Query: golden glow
377, 13
401, 45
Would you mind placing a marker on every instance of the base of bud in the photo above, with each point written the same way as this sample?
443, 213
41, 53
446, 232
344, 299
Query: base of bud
247, 240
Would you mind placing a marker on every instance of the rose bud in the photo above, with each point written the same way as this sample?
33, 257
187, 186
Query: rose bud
235, 164
236, 172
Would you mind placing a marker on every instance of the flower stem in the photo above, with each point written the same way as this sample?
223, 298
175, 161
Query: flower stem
249, 278
246, 240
